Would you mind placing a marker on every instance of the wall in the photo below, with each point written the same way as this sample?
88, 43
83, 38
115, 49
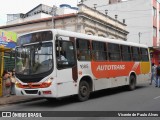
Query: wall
35, 17
99, 3
138, 17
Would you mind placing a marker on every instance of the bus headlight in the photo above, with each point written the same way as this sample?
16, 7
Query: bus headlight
44, 84
47, 83
18, 85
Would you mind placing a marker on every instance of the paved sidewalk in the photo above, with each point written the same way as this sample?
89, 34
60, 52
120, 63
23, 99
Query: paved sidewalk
16, 99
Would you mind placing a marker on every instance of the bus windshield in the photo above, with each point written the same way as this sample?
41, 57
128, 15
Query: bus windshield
34, 59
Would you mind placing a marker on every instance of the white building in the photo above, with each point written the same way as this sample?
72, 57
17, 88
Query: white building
85, 20
141, 17
39, 12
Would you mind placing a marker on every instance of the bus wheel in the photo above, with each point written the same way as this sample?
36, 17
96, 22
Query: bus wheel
84, 91
132, 83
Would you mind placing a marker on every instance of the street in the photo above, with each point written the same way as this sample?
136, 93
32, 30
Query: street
145, 98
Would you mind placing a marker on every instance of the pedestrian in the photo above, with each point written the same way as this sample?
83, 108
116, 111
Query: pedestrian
158, 76
6, 84
13, 81
153, 73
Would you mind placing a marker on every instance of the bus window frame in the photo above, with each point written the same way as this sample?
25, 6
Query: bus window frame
87, 52
124, 53
112, 52
58, 51
104, 51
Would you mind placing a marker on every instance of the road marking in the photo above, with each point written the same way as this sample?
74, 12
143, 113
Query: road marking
157, 97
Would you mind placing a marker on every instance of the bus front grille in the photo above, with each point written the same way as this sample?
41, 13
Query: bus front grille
31, 91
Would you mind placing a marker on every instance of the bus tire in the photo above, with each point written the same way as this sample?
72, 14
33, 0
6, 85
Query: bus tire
84, 91
132, 83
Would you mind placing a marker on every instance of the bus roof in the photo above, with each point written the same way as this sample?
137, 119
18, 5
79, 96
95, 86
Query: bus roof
90, 37
97, 38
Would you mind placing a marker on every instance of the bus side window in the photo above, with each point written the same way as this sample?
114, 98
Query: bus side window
144, 54
99, 51
83, 50
65, 54
135, 54
114, 52
126, 53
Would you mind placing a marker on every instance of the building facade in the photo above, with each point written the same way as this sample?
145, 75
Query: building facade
142, 18
85, 20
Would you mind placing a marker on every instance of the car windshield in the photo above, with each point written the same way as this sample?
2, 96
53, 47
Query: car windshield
34, 59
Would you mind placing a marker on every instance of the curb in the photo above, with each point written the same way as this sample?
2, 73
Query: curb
16, 99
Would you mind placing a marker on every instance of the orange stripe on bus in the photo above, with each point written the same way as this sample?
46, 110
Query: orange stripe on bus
115, 69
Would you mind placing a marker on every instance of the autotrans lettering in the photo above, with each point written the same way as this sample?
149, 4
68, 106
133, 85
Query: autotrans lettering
110, 67
113, 69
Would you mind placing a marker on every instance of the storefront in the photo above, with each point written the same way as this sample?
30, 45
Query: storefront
7, 43
155, 55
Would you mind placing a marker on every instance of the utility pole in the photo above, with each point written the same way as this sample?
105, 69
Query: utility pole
139, 35
116, 16
53, 14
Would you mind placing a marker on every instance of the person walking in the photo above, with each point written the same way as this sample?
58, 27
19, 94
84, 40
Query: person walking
6, 84
13, 81
158, 76
153, 73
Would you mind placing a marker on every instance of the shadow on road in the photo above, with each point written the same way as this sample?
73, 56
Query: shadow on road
72, 100
112, 91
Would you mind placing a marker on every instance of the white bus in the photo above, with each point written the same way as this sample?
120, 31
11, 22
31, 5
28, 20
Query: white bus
56, 63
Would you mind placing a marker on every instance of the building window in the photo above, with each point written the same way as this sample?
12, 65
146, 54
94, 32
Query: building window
154, 32
154, 12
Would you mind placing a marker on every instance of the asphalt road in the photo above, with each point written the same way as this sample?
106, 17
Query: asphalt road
145, 98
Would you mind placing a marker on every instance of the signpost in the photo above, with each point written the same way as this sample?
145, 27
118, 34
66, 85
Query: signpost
7, 42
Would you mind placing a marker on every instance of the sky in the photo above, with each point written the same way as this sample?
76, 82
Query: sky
23, 6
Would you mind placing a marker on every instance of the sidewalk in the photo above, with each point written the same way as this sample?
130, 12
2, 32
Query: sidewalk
16, 99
